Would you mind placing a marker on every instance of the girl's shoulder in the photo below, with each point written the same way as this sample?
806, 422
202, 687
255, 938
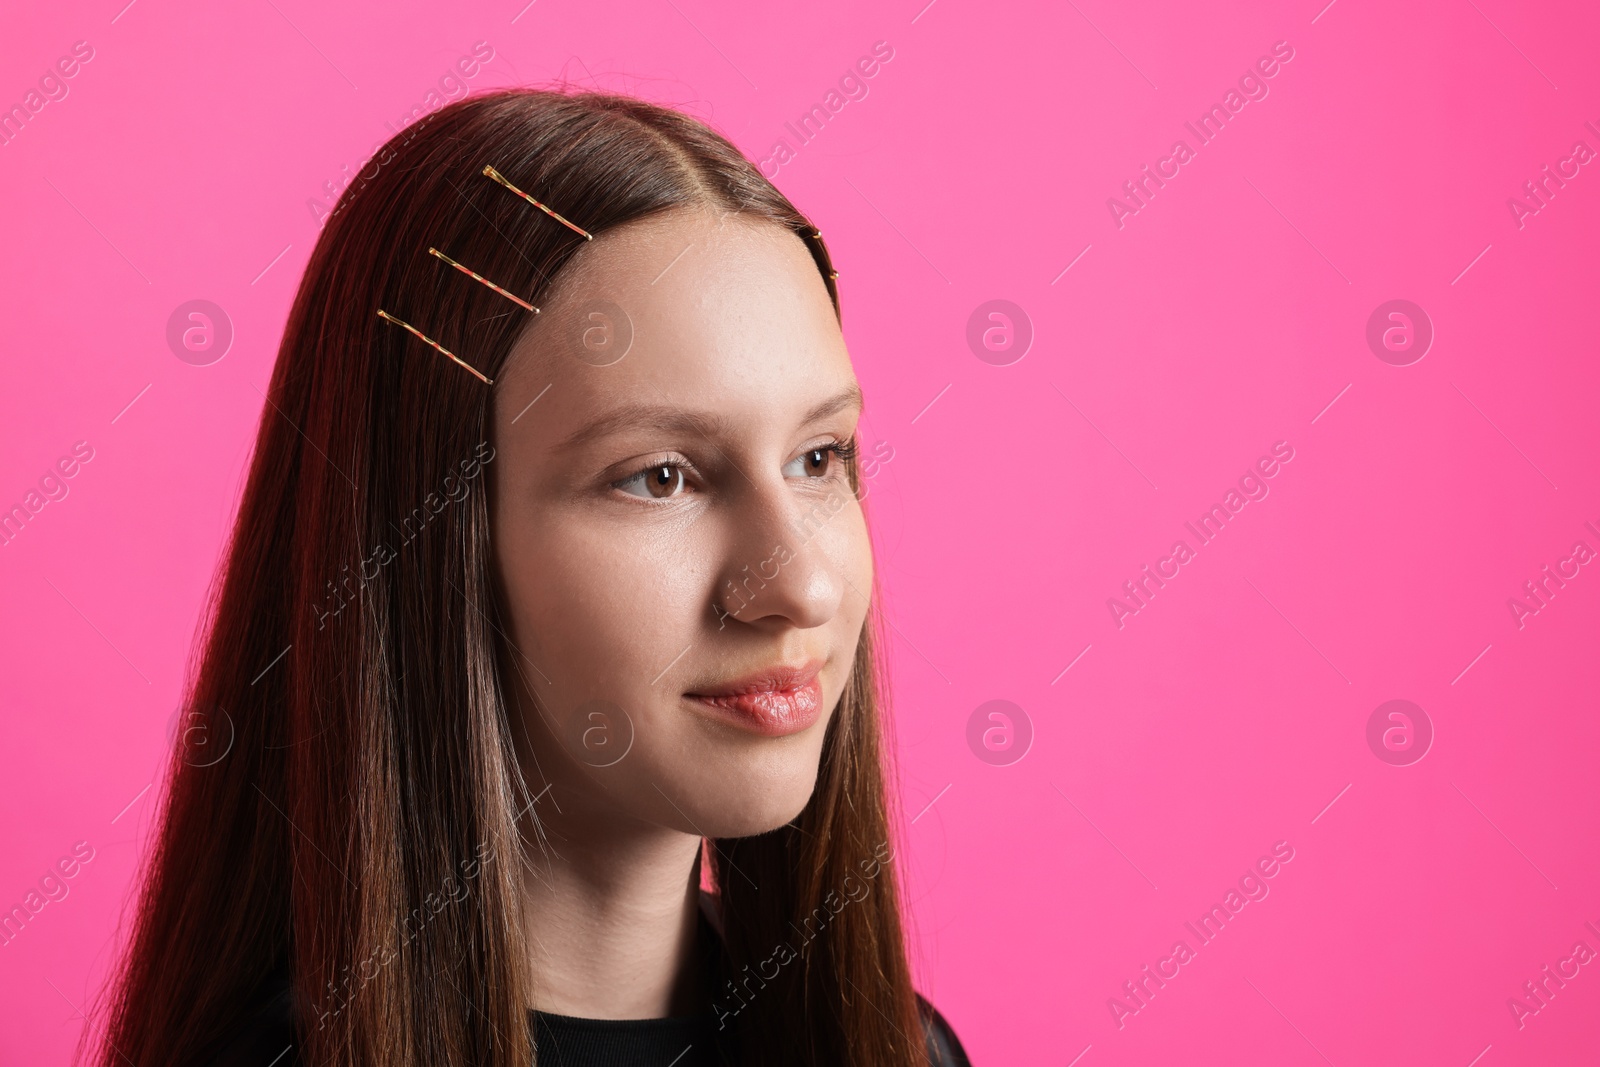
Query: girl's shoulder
944, 1047
269, 1038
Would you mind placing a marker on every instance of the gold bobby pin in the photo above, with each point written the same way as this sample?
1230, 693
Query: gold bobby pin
497, 176
833, 274
385, 315
475, 275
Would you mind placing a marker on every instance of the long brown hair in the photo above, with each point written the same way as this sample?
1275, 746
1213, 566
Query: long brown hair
351, 657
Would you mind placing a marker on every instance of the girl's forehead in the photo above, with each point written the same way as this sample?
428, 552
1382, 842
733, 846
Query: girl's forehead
685, 306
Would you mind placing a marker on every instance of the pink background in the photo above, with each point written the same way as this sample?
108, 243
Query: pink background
1226, 315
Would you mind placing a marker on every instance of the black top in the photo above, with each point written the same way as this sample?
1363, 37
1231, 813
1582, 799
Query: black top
269, 1038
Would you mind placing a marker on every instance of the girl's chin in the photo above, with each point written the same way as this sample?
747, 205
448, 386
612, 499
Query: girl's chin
743, 814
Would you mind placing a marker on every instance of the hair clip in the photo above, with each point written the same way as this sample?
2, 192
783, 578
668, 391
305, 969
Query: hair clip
832, 274
478, 277
477, 373
497, 176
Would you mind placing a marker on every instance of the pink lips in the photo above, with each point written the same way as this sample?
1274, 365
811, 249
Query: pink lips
773, 702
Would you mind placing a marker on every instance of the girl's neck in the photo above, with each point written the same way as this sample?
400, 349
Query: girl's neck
612, 917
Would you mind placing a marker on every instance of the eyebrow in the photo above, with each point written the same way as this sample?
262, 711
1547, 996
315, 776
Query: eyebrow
666, 419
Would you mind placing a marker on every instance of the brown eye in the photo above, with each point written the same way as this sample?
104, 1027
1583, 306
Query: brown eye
664, 481
659, 482
821, 461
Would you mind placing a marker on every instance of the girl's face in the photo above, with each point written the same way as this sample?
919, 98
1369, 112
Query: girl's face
670, 524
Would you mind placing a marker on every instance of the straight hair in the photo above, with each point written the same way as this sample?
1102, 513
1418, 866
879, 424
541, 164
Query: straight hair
360, 832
